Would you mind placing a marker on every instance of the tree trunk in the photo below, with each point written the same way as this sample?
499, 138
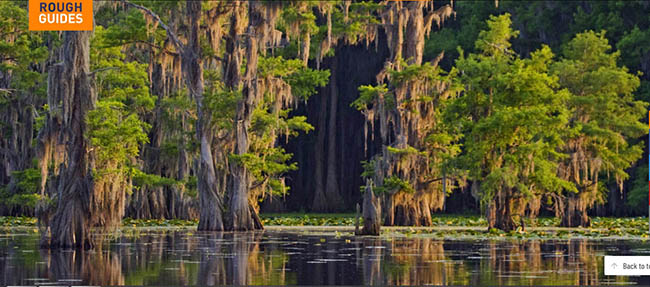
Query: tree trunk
415, 33
405, 28
332, 186
210, 201
503, 212
371, 216
148, 202
327, 197
71, 223
319, 203
242, 215
575, 212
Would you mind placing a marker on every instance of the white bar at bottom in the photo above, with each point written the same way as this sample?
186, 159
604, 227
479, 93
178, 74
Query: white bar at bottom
627, 265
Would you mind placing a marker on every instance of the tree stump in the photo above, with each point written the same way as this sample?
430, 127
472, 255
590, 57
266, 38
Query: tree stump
371, 215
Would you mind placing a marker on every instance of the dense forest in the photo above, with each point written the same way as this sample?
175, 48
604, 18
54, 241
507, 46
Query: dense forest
219, 110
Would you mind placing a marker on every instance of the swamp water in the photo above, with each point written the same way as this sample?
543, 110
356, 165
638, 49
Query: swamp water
183, 257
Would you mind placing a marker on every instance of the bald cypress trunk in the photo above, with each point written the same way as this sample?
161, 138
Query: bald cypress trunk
575, 212
505, 212
327, 197
148, 202
69, 82
406, 24
210, 200
332, 194
319, 202
242, 214
16, 150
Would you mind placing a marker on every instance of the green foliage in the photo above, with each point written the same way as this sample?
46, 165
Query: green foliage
360, 18
115, 135
637, 198
368, 94
605, 114
115, 128
268, 166
10, 221
221, 102
178, 114
28, 180
394, 184
512, 114
470, 226
270, 121
20, 48
141, 178
131, 28
495, 40
117, 79
26, 194
295, 16
191, 186
627, 28
409, 150
303, 80
368, 169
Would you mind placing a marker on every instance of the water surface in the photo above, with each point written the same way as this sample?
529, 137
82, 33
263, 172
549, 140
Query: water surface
177, 257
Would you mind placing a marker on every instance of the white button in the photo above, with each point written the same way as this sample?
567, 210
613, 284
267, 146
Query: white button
627, 265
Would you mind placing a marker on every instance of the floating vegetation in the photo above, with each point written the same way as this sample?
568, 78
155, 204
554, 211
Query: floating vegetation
444, 226
9, 221
308, 219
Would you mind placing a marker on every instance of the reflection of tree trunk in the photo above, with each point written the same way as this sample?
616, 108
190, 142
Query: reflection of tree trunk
584, 257
211, 265
372, 259
92, 268
575, 212
244, 243
426, 255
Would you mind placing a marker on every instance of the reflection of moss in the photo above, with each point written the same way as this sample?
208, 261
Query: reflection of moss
150, 274
270, 269
396, 269
25, 251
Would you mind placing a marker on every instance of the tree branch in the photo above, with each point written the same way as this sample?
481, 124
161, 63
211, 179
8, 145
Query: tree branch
179, 45
92, 74
438, 179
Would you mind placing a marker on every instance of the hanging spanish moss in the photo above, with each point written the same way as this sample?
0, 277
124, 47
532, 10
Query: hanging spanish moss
82, 200
408, 166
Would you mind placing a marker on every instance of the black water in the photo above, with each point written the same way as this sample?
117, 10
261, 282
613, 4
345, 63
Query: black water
271, 258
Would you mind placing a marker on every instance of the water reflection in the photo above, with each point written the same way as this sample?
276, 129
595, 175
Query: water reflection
267, 258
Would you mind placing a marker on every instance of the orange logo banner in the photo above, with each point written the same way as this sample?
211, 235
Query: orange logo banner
60, 15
